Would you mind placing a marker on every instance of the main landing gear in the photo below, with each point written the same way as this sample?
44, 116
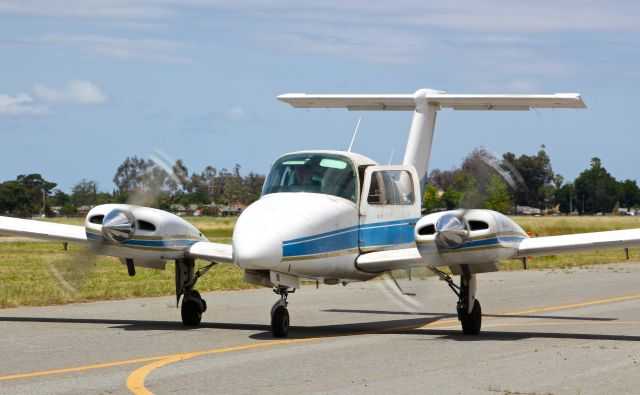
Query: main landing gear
279, 312
192, 303
469, 310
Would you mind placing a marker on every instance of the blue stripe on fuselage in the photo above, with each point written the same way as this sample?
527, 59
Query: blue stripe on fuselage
364, 236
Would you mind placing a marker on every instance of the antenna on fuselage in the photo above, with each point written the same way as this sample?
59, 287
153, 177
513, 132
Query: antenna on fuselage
355, 132
393, 151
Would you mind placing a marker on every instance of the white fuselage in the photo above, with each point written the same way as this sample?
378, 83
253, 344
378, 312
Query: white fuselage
304, 234
320, 210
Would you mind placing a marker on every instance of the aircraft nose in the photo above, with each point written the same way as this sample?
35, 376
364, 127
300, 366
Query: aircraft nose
256, 247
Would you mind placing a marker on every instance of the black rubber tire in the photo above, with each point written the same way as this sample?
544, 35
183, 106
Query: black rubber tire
191, 311
280, 322
471, 323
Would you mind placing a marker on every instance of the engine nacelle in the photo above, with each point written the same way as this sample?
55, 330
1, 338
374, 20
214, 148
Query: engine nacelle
479, 238
148, 236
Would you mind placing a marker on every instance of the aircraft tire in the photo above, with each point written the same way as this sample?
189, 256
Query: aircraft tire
191, 311
472, 322
280, 322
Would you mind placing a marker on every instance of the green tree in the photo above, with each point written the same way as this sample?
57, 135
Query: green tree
26, 196
84, 193
566, 198
431, 200
535, 176
596, 190
629, 194
498, 198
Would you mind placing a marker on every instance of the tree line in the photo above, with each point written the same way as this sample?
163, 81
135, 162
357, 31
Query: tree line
484, 181
138, 181
481, 181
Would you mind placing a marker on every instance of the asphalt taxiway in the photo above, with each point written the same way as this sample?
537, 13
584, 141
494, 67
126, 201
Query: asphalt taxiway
553, 331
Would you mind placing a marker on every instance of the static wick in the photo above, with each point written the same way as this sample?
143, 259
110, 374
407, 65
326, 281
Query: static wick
355, 132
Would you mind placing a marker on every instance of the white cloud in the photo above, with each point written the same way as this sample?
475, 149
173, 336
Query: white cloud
146, 50
74, 92
21, 106
82, 9
236, 114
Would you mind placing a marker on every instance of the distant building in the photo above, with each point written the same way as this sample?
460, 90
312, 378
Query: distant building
231, 209
82, 211
526, 210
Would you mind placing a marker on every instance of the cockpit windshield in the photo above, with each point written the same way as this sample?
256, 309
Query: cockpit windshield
313, 172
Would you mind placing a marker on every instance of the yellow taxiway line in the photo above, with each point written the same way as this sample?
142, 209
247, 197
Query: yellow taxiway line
135, 381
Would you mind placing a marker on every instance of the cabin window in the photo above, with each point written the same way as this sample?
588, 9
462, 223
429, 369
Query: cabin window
313, 173
393, 187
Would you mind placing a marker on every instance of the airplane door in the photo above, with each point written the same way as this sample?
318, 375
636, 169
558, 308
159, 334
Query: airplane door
389, 208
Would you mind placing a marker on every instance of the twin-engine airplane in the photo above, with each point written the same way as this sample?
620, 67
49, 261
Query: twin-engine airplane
336, 217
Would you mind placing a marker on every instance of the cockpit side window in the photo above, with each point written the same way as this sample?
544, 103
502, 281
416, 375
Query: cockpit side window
313, 173
391, 187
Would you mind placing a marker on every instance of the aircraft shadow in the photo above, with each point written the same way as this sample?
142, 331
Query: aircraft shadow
137, 325
403, 326
413, 313
455, 334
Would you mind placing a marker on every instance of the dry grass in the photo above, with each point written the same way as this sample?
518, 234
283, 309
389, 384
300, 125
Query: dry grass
552, 226
33, 274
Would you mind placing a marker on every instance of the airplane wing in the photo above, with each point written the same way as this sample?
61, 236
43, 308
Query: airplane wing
552, 245
382, 261
216, 252
42, 230
407, 102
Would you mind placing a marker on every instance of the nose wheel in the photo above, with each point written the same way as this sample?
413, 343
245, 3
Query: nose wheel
280, 314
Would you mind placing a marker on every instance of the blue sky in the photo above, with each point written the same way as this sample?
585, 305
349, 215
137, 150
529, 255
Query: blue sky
86, 83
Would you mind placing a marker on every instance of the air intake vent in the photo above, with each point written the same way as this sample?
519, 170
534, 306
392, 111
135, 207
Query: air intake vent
96, 219
148, 226
478, 225
427, 230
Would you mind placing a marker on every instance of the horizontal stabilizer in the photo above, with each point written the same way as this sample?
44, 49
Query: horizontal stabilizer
552, 245
408, 102
42, 230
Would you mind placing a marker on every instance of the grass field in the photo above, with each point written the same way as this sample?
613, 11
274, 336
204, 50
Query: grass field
42, 273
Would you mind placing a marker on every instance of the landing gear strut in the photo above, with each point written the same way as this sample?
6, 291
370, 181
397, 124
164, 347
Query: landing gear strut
468, 307
279, 313
192, 303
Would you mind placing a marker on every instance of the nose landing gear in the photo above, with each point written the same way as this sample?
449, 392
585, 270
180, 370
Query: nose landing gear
279, 313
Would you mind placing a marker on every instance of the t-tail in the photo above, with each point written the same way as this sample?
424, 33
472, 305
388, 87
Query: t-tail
425, 103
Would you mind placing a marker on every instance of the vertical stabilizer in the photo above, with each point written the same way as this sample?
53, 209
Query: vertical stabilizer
425, 103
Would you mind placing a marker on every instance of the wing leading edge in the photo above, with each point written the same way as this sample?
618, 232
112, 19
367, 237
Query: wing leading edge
581, 242
215, 252
42, 230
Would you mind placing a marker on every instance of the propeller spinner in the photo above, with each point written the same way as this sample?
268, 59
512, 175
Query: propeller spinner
451, 231
118, 226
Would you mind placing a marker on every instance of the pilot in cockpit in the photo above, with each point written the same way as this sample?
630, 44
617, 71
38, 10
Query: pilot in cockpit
304, 178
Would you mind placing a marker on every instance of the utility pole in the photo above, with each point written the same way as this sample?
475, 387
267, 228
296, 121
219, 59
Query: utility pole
570, 198
44, 203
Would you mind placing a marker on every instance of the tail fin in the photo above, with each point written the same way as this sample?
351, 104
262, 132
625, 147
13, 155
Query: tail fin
425, 103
